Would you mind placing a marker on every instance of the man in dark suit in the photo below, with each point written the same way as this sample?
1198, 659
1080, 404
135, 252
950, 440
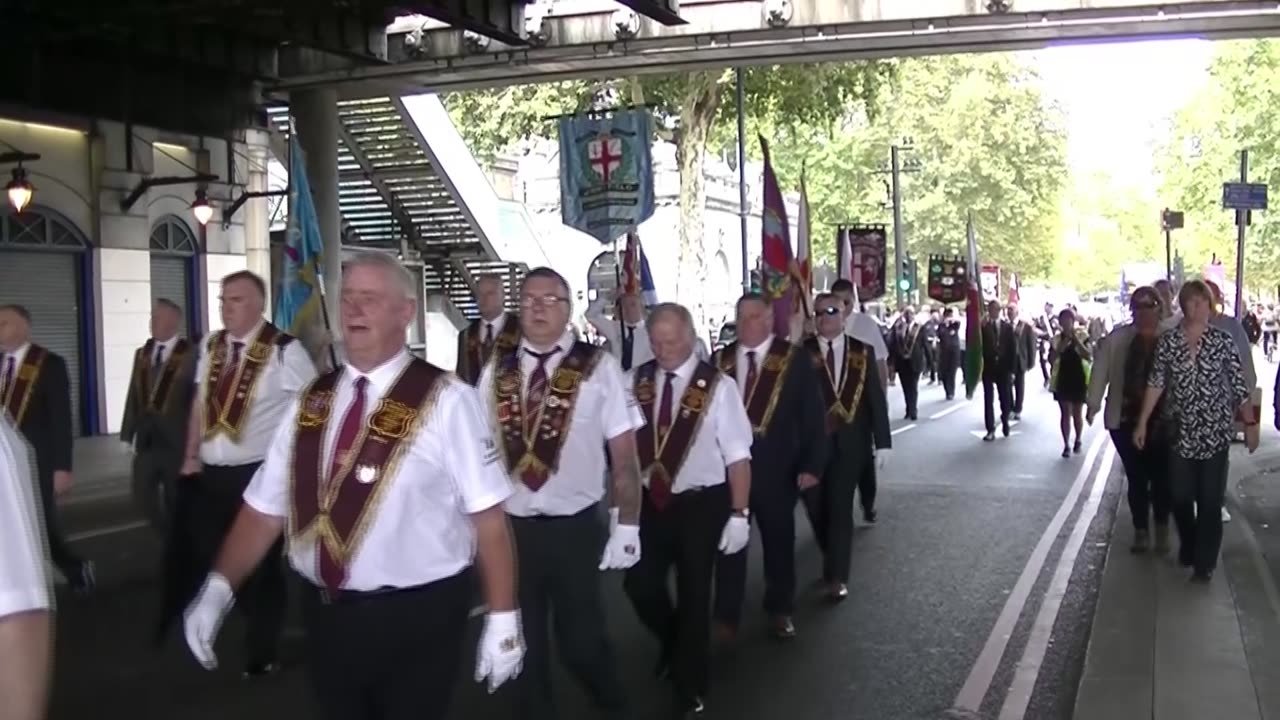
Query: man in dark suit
907, 357
1024, 337
495, 332
999, 357
36, 392
156, 411
857, 433
783, 401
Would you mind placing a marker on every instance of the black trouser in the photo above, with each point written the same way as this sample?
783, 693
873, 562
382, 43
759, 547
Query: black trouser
155, 475
829, 506
262, 598
910, 384
948, 362
931, 361
773, 503
867, 485
1198, 488
995, 384
1019, 389
1147, 472
686, 534
559, 583
390, 655
68, 563
1045, 364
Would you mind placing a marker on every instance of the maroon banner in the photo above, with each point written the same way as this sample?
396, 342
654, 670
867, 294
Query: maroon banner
867, 261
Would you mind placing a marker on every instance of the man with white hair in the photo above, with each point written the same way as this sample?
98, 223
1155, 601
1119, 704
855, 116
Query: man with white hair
387, 485
26, 602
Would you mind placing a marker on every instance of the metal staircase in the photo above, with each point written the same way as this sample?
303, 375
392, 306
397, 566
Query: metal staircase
407, 180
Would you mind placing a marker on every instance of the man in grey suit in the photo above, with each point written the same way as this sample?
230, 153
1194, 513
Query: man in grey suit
156, 412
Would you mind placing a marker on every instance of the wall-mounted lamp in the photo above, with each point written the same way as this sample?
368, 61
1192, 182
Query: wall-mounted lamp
229, 211
200, 208
20, 190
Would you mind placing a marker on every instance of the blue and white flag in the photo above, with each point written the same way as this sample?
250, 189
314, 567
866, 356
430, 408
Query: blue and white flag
606, 172
298, 299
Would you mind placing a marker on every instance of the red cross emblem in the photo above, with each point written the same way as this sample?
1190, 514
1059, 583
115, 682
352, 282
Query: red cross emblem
605, 154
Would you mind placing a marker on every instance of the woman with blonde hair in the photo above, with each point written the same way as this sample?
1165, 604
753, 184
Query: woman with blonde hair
1069, 379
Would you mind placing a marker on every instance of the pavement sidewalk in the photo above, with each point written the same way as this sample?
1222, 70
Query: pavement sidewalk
1166, 649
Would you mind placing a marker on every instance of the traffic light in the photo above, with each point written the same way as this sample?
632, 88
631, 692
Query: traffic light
907, 276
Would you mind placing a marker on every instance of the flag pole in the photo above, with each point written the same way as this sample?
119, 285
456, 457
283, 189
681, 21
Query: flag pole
324, 313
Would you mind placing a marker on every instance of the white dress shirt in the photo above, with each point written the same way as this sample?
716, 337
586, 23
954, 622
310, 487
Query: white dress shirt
421, 531
724, 434
611, 330
604, 409
24, 569
743, 365
18, 356
865, 330
286, 371
837, 347
496, 324
166, 350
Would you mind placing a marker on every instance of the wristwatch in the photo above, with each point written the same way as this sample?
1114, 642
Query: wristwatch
742, 513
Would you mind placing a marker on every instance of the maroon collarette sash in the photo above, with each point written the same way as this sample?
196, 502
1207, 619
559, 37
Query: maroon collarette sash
662, 457
504, 341
761, 399
228, 396
841, 403
539, 450
337, 510
18, 395
155, 396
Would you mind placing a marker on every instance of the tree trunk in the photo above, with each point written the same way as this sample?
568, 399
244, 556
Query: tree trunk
697, 114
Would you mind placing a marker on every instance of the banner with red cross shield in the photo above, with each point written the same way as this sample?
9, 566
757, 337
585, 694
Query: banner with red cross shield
606, 172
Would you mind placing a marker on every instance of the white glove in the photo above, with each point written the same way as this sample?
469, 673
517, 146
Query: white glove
882, 457
500, 656
623, 549
204, 616
736, 535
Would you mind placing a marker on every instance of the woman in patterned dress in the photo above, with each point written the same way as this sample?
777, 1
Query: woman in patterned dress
1069, 381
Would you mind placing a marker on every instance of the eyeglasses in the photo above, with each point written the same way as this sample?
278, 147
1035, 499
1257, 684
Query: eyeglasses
829, 310
544, 301
1146, 305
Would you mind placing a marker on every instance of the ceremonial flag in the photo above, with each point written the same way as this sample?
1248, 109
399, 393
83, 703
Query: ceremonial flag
606, 172
973, 318
779, 266
804, 243
636, 276
298, 299
1014, 286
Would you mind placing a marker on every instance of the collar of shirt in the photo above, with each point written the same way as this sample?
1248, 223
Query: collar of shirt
497, 322
683, 374
248, 338
836, 344
760, 350
18, 355
166, 344
381, 377
528, 360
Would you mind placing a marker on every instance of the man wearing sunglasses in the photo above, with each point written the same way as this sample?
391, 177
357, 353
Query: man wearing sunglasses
857, 430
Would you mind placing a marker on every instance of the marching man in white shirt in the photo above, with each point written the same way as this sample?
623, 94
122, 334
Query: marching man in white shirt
695, 428
386, 482
26, 597
627, 336
247, 376
554, 403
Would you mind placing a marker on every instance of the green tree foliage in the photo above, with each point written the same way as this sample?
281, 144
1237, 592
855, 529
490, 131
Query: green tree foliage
1234, 109
1104, 226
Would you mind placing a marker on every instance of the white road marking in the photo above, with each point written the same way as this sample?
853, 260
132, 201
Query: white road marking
903, 429
984, 668
948, 411
983, 433
1027, 671
110, 530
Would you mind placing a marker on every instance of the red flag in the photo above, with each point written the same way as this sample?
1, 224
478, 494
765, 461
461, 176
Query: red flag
775, 249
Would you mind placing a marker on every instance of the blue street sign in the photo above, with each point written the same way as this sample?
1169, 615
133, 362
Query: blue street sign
1244, 196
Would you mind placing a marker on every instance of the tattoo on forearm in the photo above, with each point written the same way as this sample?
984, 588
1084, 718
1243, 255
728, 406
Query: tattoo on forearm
626, 490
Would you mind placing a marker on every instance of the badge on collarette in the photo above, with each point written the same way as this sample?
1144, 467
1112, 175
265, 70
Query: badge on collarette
366, 474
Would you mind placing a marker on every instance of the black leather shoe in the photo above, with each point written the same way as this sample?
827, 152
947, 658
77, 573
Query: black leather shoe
83, 580
696, 708
783, 628
869, 516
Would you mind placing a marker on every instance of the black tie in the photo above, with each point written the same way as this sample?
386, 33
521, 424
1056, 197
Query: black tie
628, 345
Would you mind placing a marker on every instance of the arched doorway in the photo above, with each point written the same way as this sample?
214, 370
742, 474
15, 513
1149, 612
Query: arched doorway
45, 267
173, 247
